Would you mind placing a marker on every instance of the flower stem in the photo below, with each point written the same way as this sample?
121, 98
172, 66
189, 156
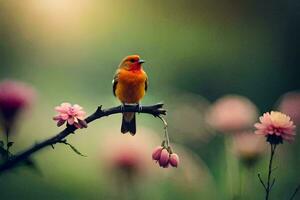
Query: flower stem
242, 173
232, 178
269, 184
166, 131
7, 131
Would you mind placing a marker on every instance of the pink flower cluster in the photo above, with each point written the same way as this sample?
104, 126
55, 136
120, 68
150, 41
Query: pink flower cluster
276, 126
73, 115
165, 157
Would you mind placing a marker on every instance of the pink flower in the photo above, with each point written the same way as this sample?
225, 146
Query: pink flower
290, 104
74, 115
174, 160
232, 113
276, 126
248, 147
124, 155
14, 97
128, 160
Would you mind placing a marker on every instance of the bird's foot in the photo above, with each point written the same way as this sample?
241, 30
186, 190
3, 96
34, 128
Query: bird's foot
122, 107
140, 108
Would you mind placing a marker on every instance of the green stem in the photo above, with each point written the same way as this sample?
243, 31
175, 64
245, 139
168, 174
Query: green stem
241, 180
231, 167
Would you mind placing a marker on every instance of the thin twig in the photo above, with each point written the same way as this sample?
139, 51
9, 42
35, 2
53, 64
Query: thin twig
272, 183
295, 192
261, 181
156, 110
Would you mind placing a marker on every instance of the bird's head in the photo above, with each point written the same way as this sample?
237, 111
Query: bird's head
132, 63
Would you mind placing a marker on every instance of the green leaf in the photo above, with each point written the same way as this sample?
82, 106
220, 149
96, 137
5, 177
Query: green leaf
1, 143
74, 149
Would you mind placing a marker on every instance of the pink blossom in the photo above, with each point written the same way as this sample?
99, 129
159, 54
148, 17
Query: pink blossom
74, 115
128, 160
156, 153
232, 113
290, 105
14, 97
276, 126
174, 160
248, 147
164, 158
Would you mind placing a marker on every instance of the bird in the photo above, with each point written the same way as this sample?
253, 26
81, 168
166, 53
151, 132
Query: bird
130, 84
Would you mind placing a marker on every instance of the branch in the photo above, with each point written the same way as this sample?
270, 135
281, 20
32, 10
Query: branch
156, 110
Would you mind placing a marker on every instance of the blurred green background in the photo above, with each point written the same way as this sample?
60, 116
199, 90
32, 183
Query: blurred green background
195, 52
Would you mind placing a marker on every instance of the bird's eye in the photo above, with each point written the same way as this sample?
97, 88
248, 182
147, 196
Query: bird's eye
132, 60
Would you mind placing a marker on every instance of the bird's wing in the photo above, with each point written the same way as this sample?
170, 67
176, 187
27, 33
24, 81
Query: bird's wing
115, 82
146, 83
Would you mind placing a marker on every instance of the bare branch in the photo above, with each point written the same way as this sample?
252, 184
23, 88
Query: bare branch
272, 183
261, 181
156, 110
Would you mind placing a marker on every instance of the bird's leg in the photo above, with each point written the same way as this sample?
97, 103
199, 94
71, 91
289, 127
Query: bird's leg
122, 107
140, 107
131, 104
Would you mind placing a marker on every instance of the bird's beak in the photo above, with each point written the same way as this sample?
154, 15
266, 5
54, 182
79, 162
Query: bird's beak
141, 61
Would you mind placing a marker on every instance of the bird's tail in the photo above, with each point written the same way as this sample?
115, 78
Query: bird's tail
128, 123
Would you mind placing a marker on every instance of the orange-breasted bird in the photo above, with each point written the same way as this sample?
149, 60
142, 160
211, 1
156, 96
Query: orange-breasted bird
129, 85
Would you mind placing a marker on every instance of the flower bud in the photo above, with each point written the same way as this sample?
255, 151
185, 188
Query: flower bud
164, 158
156, 153
82, 123
174, 160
